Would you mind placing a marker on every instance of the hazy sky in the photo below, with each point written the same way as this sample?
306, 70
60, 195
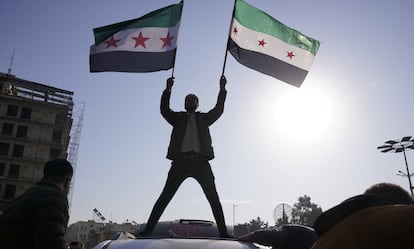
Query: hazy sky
274, 142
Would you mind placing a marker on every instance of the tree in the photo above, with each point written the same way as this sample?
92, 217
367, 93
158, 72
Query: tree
248, 227
305, 212
257, 224
282, 221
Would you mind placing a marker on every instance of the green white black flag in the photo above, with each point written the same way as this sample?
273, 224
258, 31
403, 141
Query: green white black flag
262, 43
145, 44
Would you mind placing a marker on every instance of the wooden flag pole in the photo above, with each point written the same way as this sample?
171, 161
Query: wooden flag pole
225, 54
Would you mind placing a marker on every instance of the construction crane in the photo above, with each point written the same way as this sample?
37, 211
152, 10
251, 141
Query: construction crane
100, 216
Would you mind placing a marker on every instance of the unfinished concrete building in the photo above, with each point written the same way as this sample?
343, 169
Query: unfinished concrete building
35, 126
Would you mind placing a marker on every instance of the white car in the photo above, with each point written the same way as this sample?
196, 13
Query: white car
180, 234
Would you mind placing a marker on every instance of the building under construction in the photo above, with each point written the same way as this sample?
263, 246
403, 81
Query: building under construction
35, 125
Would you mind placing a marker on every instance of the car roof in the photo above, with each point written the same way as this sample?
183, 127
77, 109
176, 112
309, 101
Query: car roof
177, 234
185, 228
176, 243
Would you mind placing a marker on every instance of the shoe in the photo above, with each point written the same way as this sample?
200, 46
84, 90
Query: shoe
144, 234
226, 235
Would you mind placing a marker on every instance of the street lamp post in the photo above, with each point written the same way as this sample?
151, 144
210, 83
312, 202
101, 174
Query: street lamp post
398, 146
234, 215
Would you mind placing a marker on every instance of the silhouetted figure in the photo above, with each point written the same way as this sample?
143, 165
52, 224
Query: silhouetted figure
38, 218
382, 217
284, 237
190, 150
76, 245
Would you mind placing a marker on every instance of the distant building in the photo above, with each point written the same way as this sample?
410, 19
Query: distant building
35, 126
81, 230
91, 232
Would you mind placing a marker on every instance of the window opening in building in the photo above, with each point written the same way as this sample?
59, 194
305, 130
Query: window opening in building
7, 129
2, 167
18, 150
54, 153
57, 136
9, 192
26, 113
14, 170
12, 110
60, 118
4, 149
21, 131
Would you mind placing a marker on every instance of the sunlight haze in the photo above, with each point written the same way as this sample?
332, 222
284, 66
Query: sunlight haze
273, 143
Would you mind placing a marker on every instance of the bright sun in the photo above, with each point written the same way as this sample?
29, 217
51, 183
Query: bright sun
302, 114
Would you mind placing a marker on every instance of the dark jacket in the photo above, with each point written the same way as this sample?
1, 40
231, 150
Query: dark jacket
286, 237
179, 122
37, 219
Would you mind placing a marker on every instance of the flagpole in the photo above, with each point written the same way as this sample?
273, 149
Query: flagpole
172, 73
173, 67
228, 36
176, 48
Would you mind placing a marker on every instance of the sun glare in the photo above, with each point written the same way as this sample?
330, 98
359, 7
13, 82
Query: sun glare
302, 114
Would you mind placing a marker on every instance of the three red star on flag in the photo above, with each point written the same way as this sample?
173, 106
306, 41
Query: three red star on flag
140, 40
262, 43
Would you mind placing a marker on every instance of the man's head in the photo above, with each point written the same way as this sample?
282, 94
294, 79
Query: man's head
59, 172
75, 245
191, 102
390, 191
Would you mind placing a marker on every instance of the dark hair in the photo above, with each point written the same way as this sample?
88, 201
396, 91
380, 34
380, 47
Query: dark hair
192, 95
390, 191
58, 168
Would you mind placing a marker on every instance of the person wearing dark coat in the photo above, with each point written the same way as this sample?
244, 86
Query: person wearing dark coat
190, 150
290, 236
38, 218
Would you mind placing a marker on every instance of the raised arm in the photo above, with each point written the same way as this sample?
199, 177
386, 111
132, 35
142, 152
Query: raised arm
216, 112
166, 112
223, 82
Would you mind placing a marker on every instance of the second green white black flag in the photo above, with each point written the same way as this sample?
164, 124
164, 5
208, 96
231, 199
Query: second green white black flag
262, 43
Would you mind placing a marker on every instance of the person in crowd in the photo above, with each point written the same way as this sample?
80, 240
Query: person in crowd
76, 245
190, 150
288, 236
382, 217
38, 218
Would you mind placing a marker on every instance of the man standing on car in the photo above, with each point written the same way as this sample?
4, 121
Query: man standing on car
190, 150
38, 218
